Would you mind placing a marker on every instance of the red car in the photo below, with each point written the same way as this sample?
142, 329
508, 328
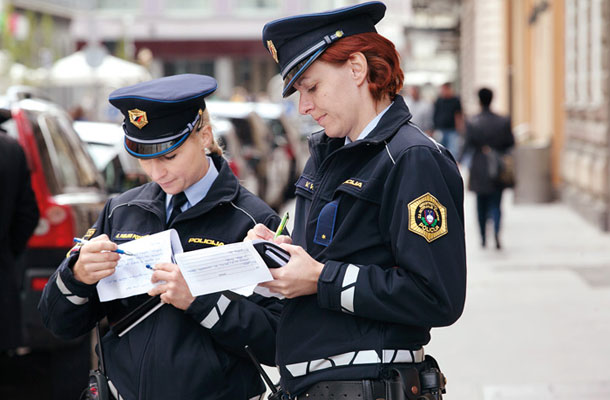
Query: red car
70, 194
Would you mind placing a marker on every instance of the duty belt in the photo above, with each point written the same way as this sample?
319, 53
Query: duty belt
418, 381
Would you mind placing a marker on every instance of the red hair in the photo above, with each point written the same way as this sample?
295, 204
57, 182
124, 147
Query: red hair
385, 75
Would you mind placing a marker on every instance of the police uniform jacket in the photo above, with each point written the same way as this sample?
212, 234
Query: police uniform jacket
175, 354
385, 216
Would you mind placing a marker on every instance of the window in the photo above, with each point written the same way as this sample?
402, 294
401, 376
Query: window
175, 67
64, 160
257, 7
189, 7
117, 5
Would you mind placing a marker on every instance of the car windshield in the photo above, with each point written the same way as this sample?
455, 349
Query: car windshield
62, 154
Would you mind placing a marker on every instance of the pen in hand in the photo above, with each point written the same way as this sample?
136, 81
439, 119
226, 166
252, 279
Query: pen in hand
280, 228
119, 251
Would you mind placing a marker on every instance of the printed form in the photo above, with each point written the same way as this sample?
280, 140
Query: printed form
227, 267
131, 277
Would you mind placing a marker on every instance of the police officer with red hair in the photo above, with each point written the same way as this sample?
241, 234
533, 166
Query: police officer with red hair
378, 253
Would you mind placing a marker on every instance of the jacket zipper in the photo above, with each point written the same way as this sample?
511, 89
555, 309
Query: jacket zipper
144, 356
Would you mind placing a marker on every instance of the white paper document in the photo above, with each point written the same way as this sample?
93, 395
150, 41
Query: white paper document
227, 267
131, 277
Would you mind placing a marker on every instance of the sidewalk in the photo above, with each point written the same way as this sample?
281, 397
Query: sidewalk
537, 319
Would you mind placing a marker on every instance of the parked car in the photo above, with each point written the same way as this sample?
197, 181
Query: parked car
70, 193
105, 145
267, 142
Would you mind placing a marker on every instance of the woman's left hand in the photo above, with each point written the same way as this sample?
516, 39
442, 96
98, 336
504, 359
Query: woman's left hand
297, 278
174, 289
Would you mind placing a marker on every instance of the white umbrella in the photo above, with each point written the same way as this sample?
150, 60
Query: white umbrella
74, 70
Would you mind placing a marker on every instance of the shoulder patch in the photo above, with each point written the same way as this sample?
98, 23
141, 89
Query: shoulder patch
427, 217
89, 233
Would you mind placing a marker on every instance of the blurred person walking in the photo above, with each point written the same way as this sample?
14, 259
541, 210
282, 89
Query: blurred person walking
486, 133
378, 256
448, 118
422, 110
18, 218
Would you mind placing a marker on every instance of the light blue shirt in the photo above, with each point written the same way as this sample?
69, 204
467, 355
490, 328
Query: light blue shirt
370, 126
196, 192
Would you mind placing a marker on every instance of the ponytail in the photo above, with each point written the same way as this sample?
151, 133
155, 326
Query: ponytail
214, 148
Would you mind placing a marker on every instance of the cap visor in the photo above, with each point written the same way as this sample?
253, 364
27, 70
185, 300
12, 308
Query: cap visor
297, 71
152, 150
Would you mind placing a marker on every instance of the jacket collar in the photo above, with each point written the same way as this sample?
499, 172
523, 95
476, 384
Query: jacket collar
392, 120
224, 189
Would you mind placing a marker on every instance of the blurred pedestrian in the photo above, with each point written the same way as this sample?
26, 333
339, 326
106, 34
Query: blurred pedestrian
192, 348
487, 132
421, 109
448, 118
18, 218
378, 255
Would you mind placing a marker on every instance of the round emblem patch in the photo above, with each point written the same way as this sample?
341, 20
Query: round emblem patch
427, 217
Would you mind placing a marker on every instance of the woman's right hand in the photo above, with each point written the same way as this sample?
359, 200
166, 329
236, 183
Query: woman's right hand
96, 260
260, 231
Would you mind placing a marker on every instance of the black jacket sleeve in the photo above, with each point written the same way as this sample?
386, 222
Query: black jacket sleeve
427, 285
69, 307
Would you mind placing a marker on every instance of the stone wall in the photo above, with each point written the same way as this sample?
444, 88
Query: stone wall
586, 153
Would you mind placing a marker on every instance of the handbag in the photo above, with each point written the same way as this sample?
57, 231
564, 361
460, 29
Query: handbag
501, 168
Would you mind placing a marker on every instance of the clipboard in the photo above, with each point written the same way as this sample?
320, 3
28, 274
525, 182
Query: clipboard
272, 254
137, 315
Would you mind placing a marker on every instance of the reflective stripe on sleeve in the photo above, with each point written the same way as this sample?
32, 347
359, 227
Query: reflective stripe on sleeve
74, 299
349, 288
214, 316
356, 358
351, 274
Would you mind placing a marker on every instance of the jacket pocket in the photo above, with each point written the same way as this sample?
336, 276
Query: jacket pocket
369, 190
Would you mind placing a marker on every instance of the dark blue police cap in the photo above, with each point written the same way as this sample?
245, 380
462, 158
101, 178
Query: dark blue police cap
160, 114
295, 42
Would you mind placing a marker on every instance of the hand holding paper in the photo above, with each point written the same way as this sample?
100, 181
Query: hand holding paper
171, 286
96, 260
227, 267
131, 277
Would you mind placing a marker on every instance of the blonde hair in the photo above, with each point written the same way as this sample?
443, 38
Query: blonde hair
204, 120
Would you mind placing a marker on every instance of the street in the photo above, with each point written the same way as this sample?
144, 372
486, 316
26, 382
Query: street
536, 323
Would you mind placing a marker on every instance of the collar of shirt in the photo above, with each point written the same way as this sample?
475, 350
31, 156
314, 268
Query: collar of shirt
197, 191
371, 125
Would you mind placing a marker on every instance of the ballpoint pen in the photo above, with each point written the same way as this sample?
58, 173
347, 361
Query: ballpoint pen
120, 251
282, 225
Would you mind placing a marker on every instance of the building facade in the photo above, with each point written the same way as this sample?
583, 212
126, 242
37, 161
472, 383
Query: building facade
217, 37
586, 150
